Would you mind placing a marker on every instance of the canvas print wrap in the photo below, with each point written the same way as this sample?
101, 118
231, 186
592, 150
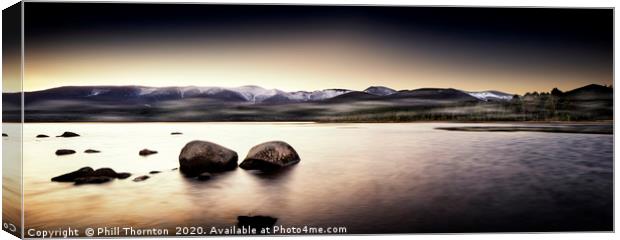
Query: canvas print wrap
11, 128
210, 119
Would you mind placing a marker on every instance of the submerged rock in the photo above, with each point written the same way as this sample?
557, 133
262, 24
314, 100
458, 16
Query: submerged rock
141, 178
105, 172
87, 175
64, 152
270, 156
146, 152
204, 176
92, 151
123, 175
42, 136
202, 156
176, 133
92, 180
256, 221
70, 177
69, 134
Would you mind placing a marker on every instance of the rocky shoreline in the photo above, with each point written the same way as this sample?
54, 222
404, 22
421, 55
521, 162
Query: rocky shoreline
198, 160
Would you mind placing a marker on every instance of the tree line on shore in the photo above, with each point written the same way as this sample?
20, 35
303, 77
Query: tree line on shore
589, 103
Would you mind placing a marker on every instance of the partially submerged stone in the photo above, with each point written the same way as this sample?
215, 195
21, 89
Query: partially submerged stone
92, 180
64, 152
87, 175
257, 222
141, 178
202, 156
70, 177
146, 152
270, 156
69, 134
105, 172
123, 175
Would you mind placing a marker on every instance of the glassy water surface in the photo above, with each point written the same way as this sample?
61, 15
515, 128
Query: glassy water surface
370, 178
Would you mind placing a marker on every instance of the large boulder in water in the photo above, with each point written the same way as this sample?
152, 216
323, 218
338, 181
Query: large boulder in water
270, 156
201, 156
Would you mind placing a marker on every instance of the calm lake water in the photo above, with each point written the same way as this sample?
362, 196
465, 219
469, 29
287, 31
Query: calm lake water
370, 178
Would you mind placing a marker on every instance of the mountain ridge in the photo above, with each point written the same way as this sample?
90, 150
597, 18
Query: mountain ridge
248, 93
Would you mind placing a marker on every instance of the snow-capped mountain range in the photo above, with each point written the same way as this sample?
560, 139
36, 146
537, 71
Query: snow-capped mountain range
252, 94
256, 94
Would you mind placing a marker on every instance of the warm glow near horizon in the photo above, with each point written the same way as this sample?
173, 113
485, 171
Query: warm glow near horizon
313, 48
299, 65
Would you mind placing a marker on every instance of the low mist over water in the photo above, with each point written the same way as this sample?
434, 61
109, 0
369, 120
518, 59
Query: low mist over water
370, 178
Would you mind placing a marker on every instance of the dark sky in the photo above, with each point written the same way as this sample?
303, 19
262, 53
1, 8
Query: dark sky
314, 47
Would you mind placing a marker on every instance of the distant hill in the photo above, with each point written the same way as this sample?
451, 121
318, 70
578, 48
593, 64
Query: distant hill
448, 94
591, 92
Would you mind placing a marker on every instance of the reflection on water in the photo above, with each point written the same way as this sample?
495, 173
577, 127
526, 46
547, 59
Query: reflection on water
371, 178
